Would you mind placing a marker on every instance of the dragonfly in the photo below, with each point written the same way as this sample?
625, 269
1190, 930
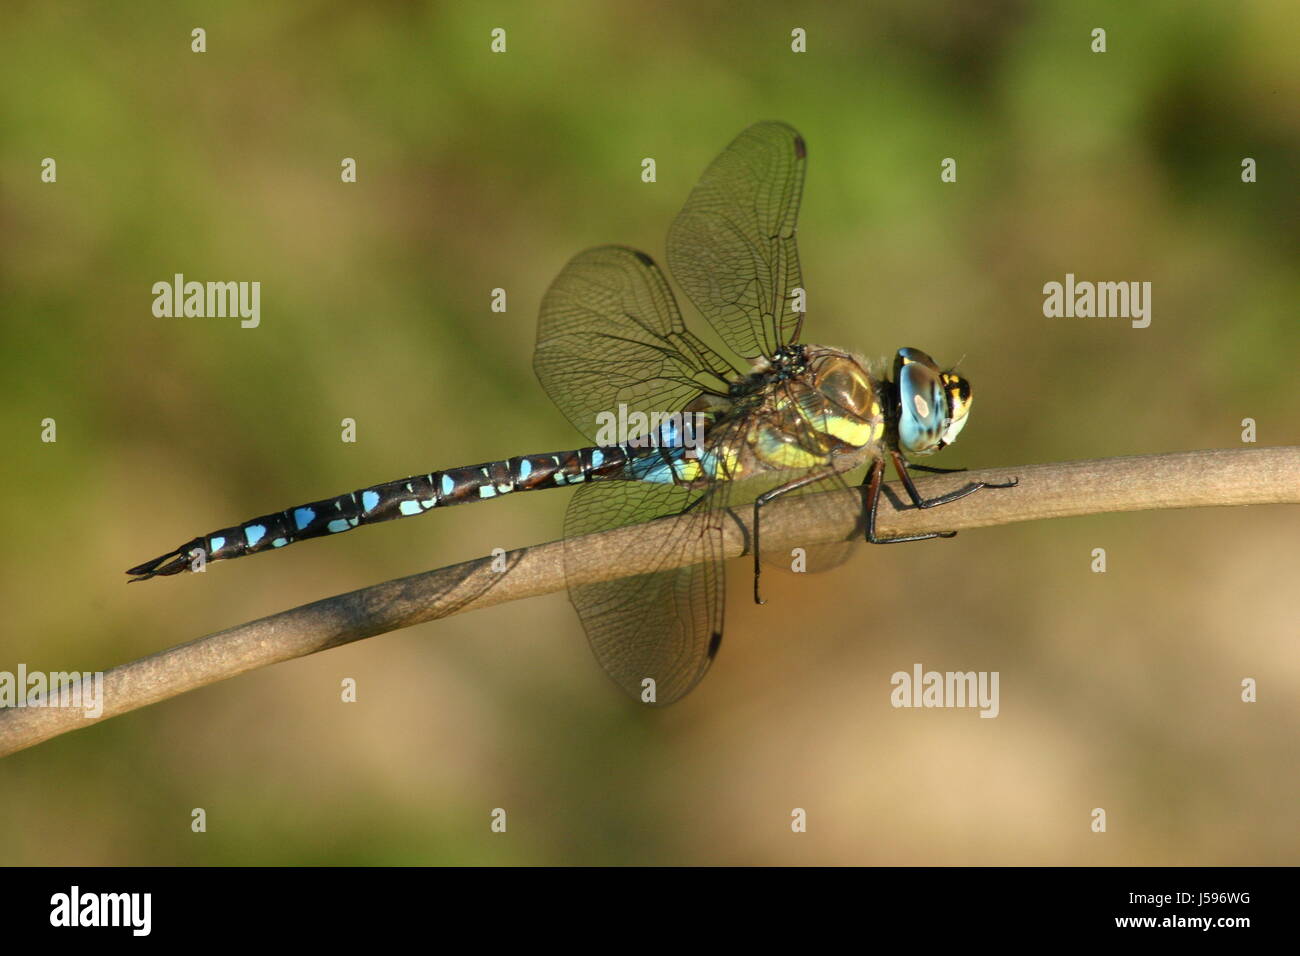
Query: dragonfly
790, 419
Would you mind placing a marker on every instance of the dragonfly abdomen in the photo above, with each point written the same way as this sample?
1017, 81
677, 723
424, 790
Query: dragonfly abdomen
403, 498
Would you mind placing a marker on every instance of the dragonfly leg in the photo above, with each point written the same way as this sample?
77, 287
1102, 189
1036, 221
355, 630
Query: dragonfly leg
933, 470
902, 465
874, 481
763, 499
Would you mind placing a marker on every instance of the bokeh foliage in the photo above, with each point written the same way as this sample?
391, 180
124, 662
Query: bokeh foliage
479, 171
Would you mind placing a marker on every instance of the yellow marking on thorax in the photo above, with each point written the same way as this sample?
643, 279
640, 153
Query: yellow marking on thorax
790, 456
851, 431
771, 447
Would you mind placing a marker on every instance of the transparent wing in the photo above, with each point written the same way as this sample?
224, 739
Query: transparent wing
665, 624
732, 247
829, 502
610, 333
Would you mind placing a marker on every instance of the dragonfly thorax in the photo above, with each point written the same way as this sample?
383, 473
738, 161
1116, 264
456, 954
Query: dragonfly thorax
789, 362
807, 406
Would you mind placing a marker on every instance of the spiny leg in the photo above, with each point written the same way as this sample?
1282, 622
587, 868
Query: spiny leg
932, 469
763, 499
902, 465
873, 483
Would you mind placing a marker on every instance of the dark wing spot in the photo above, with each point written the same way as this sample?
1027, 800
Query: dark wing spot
800, 147
714, 643
642, 258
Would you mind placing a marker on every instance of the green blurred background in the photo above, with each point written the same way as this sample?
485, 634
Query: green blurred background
478, 170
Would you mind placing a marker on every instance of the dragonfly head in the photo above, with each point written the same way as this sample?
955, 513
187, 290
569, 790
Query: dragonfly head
932, 404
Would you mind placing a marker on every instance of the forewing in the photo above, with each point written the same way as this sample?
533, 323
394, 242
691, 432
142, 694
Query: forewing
665, 624
610, 333
732, 247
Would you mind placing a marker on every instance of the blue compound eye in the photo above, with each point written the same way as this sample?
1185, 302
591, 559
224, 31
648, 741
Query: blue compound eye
922, 409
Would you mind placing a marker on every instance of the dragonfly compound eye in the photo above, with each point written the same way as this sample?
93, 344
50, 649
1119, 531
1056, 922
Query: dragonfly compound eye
923, 420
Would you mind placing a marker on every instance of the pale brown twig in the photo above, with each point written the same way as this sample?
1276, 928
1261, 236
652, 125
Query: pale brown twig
1182, 480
